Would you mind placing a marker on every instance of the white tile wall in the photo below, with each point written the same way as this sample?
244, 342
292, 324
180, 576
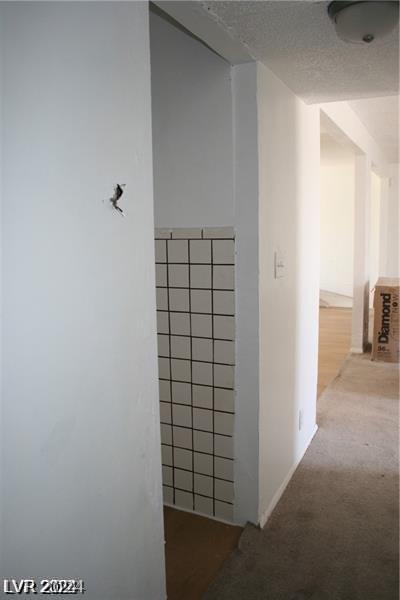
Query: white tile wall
195, 278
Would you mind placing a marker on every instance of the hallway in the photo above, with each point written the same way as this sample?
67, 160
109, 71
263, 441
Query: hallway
334, 534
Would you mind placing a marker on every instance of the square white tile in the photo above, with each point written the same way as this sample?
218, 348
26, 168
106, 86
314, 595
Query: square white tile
180, 323
183, 437
200, 301
223, 252
178, 276
163, 345
166, 455
183, 459
223, 277
164, 389
224, 400
224, 302
224, 376
223, 467
202, 349
223, 423
180, 370
224, 327
202, 419
203, 505
202, 396
162, 322
200, 276
181, 392
200, 251
168, 495
203, 441
224, 352
163, 368
202, 373
181, 415
203, 484
178, 251
162, 233
187, 233
167, 475
224, 490
166, 434
161, 275
165, 412
219, 232
223, 446
180, 347
201, 325
224, 511
183, 480
178, 299
184, 499
203, 463
161, 251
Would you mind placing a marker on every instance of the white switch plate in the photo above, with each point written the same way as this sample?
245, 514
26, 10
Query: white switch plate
280, 265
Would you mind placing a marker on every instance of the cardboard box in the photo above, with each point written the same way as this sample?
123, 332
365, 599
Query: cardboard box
386, 341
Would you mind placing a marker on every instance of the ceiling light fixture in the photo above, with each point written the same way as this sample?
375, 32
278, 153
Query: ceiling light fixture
360, 22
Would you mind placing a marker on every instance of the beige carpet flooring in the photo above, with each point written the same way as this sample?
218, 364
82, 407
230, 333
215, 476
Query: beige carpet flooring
334, 534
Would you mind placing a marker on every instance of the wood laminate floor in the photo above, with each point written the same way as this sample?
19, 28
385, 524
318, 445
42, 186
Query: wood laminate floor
195, 550
334, 343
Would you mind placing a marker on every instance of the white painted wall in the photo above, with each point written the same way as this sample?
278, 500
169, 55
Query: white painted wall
374, 242
390, 224
80, 436
246, 169
289, 159
337, 218
192, 130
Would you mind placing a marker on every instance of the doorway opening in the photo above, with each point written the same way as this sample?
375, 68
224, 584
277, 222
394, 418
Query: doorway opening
337, 219
195, 289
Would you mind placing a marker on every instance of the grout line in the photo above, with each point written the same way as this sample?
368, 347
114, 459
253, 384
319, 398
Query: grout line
219, 387
198, 473
191, 374
207, 362
198, 452
225, 412
170, 371
213, 373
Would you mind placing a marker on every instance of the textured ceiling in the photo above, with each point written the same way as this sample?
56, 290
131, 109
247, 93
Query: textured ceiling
381, 118
297, 41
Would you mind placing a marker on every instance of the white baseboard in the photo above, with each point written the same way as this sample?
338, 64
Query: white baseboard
356, 351
278, 494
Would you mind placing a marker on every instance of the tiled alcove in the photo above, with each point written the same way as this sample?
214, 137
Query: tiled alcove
196, 348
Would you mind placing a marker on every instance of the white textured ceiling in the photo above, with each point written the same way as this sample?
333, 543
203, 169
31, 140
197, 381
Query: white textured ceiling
381, 118
297, 41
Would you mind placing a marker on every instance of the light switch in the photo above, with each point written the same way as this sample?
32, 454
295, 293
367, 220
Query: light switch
280, 265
